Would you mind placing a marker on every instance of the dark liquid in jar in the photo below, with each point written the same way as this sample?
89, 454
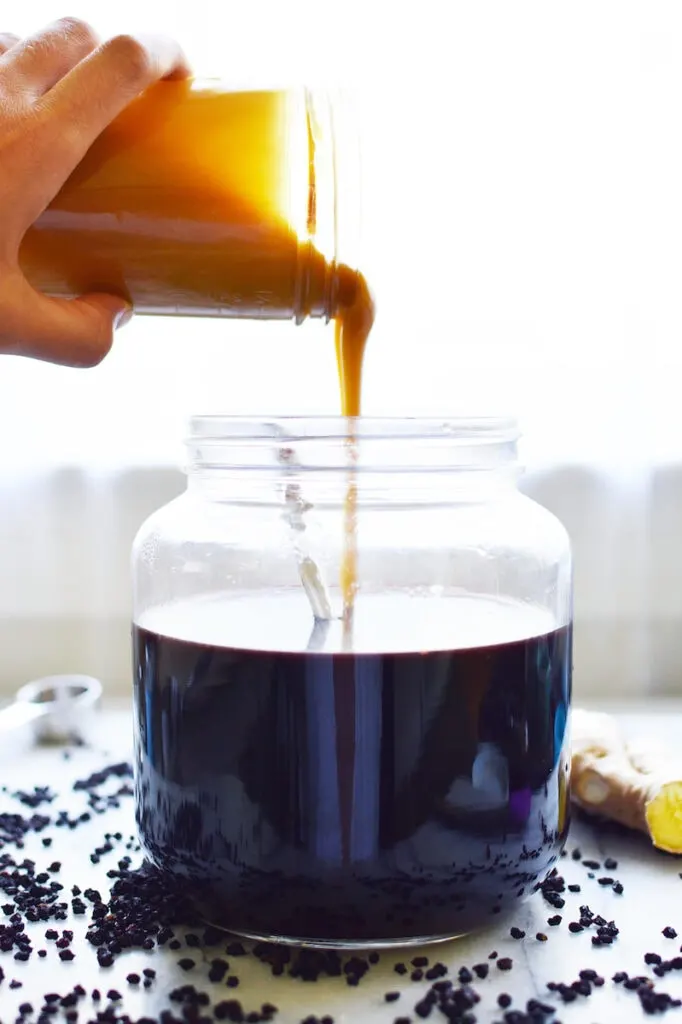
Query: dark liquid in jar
353, 797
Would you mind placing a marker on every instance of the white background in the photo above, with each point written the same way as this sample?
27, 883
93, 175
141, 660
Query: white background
523, 224
523, 229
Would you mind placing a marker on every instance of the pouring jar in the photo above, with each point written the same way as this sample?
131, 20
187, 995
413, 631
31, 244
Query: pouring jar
398, 779
204, 200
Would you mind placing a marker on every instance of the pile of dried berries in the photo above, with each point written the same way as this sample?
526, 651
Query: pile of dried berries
144, 910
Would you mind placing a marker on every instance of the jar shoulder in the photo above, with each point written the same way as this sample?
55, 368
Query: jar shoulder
510, 519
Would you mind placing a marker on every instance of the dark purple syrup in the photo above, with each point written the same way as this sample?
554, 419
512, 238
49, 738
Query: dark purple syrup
329, 797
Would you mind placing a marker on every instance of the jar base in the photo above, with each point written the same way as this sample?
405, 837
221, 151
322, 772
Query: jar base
338, 944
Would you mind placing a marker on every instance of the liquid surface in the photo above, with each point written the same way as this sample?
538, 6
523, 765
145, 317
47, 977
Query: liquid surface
390, 623
352, 797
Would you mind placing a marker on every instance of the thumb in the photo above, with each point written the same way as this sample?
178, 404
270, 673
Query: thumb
70, 332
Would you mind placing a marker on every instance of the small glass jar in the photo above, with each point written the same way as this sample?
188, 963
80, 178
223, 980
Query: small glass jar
394, 781
204, 200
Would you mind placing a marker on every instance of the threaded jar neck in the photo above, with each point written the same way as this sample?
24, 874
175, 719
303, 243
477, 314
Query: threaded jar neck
391, 461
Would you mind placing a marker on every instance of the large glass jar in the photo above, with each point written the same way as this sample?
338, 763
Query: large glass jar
393, 778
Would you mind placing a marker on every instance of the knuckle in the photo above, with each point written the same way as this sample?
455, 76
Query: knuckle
130, 56
77, 31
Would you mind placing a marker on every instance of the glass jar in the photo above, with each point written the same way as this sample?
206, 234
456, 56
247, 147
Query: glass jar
396, 780
201, 199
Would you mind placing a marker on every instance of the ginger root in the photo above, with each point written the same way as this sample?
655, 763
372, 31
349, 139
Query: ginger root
636, 785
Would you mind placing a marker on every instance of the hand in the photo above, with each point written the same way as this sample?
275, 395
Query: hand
58, 90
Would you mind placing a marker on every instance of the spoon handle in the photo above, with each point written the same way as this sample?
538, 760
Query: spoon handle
19, 713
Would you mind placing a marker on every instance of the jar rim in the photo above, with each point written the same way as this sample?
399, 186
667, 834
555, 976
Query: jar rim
221, 429
375, 445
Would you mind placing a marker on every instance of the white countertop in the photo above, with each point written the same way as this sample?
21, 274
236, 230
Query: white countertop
652, 899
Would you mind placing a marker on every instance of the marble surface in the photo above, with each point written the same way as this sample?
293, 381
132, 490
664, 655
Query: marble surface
651, 900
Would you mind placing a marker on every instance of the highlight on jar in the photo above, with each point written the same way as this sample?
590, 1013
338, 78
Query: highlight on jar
352, 656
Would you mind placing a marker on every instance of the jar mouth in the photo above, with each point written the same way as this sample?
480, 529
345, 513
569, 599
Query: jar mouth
376, 444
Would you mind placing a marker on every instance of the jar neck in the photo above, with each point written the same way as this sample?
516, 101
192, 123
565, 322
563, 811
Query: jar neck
316, 285
392, 492
384, 462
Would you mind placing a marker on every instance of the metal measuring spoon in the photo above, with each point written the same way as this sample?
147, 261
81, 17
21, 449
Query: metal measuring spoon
60, 707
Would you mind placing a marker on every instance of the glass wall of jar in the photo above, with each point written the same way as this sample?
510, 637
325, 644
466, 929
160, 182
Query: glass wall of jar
389, 767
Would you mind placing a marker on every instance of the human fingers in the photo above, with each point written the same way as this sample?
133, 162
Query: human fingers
84, 102
31, 67
71, 332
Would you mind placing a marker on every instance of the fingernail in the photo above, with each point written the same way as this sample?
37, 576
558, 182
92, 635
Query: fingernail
123, 317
